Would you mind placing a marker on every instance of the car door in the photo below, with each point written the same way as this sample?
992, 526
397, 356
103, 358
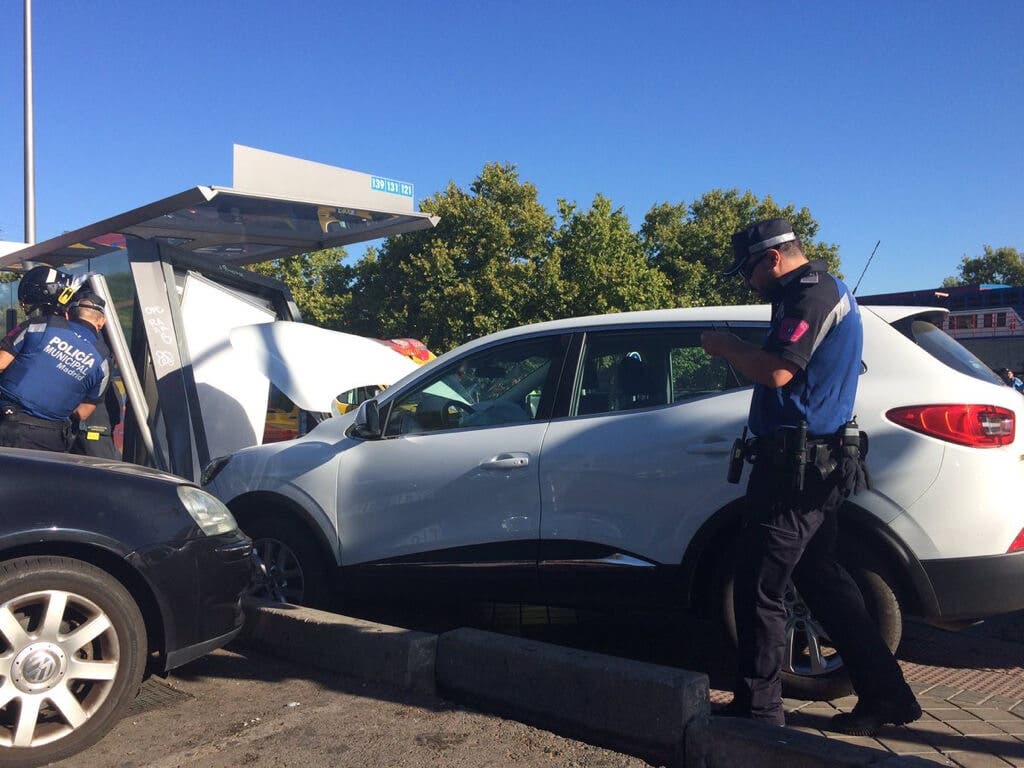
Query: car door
452, 486
640, 460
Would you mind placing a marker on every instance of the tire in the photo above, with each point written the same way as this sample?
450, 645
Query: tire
819, 677
295, 568
74, 654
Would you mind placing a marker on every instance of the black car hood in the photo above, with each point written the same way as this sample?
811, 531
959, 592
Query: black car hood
47, 459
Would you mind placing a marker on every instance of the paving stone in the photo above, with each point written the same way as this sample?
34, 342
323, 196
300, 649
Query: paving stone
937, 758
1004, 746
1018, 709
944, 692
977, 760
934, 728
992, 715
792, 705
977, 728
953, 715
1007, 747
969, 698
906, 743
934, 702
845, 704
859, 741
1002, 702
1015, 728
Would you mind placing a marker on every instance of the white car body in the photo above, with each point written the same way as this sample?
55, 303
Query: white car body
641, 492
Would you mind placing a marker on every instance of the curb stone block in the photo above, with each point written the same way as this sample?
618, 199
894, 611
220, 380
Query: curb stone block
361, 649
634, 707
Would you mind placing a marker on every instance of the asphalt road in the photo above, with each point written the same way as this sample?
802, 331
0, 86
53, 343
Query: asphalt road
232, 709
236, 708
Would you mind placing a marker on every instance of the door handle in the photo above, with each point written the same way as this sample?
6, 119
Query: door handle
507, 461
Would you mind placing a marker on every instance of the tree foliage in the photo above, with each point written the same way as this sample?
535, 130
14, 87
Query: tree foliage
1002, 266
498, 258
692, 245
319, 283
474, 273
601, 263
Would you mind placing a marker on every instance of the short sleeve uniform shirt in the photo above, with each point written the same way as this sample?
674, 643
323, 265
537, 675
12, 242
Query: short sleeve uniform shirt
816, 325
57, 365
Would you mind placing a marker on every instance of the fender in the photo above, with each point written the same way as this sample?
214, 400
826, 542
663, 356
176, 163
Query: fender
252, 502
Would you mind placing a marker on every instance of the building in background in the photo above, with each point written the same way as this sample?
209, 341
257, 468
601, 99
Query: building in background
987, 319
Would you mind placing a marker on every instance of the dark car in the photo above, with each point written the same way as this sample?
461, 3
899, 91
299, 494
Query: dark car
108, 572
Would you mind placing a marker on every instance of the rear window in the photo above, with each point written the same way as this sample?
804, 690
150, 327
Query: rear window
946, 349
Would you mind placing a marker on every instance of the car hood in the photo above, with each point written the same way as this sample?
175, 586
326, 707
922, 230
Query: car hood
20, 459
312, 366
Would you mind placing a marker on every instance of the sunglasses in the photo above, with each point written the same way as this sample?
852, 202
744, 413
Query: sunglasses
748, 267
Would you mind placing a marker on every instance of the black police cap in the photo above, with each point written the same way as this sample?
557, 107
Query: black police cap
758, 237
88, 300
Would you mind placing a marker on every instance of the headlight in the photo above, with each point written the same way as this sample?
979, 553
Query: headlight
208, 511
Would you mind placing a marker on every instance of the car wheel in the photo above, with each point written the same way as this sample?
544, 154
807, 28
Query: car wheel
293, 568
74, 651
812, 669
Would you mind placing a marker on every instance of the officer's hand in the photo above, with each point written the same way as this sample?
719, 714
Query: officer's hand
716, 343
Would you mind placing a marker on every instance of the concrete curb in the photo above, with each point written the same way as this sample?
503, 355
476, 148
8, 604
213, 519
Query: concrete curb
643, 709
657, 713
361, 649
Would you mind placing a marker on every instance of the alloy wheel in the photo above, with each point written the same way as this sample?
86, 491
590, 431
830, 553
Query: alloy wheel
281, 576
808, 649
60, 655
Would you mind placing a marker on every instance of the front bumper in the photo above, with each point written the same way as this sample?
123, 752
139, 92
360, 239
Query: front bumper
977, 587
198, 585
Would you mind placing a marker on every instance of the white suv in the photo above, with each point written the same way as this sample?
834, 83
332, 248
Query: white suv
584, 462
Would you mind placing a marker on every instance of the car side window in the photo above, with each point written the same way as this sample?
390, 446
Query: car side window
498, 386
650, 367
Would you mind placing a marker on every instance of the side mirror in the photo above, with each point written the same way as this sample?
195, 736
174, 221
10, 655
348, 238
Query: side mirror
367, 421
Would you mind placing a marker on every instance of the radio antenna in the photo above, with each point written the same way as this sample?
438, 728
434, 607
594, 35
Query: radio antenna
866, 267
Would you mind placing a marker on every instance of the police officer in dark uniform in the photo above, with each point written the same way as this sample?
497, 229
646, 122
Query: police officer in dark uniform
52, 367
94, 436
806, 456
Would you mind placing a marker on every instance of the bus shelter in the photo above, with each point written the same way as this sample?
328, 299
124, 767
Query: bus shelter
174, 271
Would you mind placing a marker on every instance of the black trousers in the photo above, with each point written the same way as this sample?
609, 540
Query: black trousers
789, 535
20, 432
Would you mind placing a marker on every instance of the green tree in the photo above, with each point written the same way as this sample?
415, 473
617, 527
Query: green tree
482, 269
602, 264
319, 283
691, 244
1001, 266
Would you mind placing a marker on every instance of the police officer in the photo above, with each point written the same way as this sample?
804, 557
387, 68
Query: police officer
52, 366
94, 436
805, 376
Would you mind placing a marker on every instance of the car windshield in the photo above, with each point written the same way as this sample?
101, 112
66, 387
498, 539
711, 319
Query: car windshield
948, 350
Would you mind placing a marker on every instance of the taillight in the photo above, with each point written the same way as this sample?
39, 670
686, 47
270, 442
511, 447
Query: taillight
1018, 543
978, 426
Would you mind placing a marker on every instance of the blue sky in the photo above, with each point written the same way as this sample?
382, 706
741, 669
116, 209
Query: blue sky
899, 122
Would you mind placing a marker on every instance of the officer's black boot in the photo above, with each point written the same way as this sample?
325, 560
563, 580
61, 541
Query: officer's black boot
868, 717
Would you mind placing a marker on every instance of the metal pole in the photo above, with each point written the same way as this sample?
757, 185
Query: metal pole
30, 169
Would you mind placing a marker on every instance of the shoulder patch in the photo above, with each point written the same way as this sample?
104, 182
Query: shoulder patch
791, 329
811, 277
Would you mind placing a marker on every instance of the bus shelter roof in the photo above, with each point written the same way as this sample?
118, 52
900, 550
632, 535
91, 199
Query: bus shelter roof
226, 226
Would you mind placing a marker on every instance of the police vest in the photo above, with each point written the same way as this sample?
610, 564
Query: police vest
57, 365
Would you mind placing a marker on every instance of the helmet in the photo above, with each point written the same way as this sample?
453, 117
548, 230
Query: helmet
46, 287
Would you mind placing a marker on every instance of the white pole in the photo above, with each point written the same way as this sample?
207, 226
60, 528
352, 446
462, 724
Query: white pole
30, 169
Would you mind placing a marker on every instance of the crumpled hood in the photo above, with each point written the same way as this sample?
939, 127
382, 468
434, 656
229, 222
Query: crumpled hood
312, 366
